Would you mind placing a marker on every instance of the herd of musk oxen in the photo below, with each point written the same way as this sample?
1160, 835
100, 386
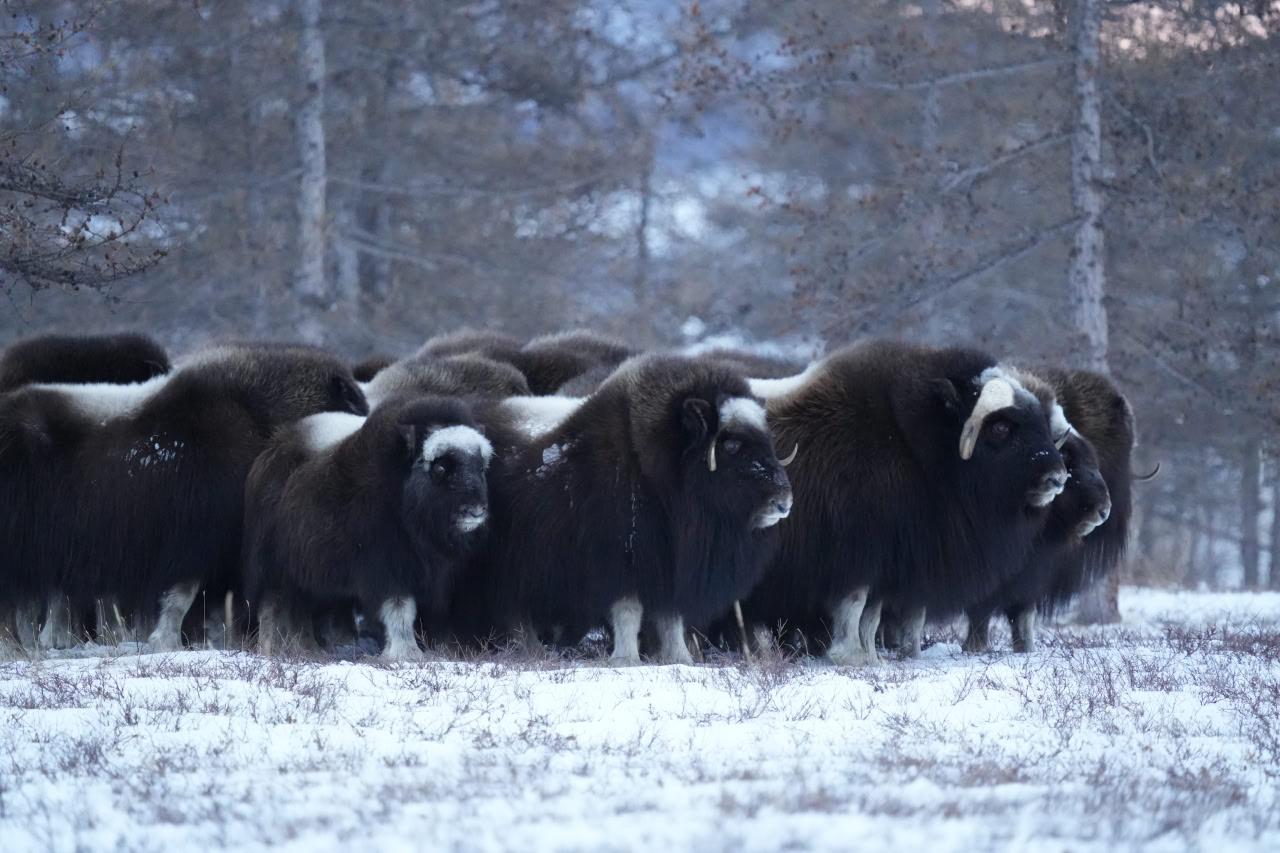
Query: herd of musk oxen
486, 490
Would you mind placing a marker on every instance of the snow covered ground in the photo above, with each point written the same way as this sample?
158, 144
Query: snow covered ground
1162, 732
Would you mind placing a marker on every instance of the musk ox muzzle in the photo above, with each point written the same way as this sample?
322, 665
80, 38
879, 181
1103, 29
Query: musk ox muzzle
1048, 487
778, 508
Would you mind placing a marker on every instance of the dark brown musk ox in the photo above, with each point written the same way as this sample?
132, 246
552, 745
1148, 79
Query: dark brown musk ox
654, 498
378, 511
143, 485
924, 474
366, 368
117, 359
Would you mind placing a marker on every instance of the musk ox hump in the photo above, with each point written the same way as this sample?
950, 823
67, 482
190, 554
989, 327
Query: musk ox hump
537, 416
100, 402
322, 431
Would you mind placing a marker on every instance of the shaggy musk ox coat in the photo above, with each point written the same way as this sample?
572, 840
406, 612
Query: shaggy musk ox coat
451, 376
380, 511
548, 362
923, 476
1074, 515
653, 497
117, 359
145, 484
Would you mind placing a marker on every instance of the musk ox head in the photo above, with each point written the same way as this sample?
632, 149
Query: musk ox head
445, 495
1008, 434
1085, 502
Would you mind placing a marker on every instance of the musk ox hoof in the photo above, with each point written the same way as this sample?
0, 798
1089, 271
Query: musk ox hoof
156, 645
853, 657
624, 659
677, 656
404, 653
975, 645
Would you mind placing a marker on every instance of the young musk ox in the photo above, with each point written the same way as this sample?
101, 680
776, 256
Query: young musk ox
653, 497
381, 511
118, 359
1083, 506
925, 474
145, 484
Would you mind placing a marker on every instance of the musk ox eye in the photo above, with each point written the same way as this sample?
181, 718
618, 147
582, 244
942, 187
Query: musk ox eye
732, 445
1001, 430
439, 469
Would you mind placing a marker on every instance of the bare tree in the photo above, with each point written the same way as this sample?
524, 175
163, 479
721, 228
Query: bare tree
312, 216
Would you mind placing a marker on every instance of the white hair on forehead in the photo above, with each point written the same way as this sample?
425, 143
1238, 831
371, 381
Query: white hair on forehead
104, 401
463, 439
536, 416
322, 431
742, 411
769, 389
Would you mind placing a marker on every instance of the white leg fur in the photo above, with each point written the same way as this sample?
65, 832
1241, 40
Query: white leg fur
673, 648
978, 639
26, 617
913, 632
867, 627
174, 605
268, 626
397, 615
60, 630
624, 619
1024, 631
846, 644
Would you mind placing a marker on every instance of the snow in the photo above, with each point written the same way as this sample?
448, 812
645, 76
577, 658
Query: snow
1159, 732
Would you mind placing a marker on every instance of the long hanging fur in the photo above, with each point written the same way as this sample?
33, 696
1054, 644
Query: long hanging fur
154, 497
617, 502
388, 512
883, 499
116, 359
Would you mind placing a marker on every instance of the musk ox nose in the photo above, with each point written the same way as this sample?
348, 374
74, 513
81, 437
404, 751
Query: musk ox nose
776, 510
1104, 512
1048, 488
471, 517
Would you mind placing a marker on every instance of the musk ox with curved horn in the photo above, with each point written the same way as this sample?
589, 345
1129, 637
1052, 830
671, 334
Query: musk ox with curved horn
118, 359
379, 510
651, 499
925, 474
145, 484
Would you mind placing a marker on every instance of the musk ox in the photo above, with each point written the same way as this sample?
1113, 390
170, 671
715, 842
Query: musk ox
142, 487
452, 376
547, 362
1083, 506
654, 497
380, 511
924, 474
365, 369
117, 359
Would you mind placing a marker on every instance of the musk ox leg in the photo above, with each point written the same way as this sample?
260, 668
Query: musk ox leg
174, 604
867, 627
1023, 624
912, 633
624, 619
978, 640
26, 617
672, 645
61, 627
846, 642
397, 615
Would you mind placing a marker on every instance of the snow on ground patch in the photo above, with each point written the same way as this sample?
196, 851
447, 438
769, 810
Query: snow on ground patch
1138, 734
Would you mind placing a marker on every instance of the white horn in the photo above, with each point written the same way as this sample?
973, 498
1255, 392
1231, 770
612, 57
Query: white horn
792, 457
711, 455
997, 394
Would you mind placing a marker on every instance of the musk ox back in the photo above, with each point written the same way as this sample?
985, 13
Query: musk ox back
452, 376
547, 362
923, 476
156, 492
380, 511
654, 497
75, 359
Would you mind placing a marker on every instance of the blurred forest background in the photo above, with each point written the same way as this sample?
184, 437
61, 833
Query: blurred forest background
1080, 182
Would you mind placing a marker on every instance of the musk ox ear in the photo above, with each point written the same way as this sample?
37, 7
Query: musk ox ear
696, 417
947, 395
409, 439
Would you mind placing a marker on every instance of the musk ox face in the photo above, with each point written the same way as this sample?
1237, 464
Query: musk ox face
445, 494
1085, 502
732, 463
1009, 437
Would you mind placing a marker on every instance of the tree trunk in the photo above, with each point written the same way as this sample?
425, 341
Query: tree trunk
310, 284
1250, 506
1273, 566
1087, 274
